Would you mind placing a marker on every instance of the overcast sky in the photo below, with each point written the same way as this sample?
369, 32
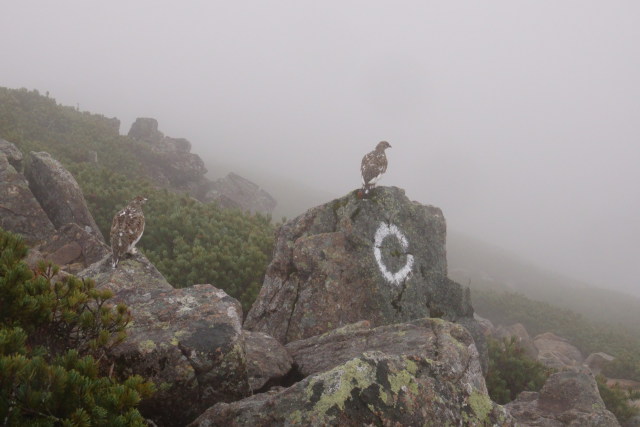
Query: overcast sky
520, 119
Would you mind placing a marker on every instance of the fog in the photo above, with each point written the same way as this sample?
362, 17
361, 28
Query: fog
521, 120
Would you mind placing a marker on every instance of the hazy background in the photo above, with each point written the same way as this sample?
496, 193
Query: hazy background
521, 120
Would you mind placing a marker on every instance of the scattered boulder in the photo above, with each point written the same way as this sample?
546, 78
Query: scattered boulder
556, 352
522, 337
568, 398
20, 212
439, 383
381, 259
268, 362
72, 248
188, 341
58, 193
236, 192
597, 361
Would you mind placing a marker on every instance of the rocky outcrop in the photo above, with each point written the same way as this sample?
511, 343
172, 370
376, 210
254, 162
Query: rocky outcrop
188, 341
58, 193
20, 212
268, 362
169, 160
556, 352
437, 382
381, 259
568, 398
236, 192
171, 164
519, 332
145, 129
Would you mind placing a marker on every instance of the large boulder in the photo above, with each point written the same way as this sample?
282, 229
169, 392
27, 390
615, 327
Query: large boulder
568, 398
438, 381
58, 193
381, 259
236, 192
20, 212
556, 352
188, 341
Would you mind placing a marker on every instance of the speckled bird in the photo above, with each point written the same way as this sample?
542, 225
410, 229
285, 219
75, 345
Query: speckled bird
126, 229
373, 165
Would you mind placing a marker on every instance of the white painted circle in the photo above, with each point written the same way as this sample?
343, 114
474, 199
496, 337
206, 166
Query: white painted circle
384, 231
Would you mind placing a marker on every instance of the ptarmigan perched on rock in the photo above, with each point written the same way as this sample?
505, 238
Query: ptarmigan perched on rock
373, 165
126, 229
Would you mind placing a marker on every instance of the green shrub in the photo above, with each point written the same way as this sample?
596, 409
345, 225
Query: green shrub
617, 400
50, 332
588, 336
511, 371
188, 241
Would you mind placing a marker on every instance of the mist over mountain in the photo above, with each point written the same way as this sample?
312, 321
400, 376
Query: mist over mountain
518, 119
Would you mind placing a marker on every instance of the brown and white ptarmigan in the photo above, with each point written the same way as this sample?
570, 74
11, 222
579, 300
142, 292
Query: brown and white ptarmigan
126, 229
373, 165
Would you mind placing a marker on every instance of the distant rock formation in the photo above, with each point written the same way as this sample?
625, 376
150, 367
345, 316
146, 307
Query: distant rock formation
236, 192
172, 165
568, 398
426, 372
58, 193
381, 259
188, 341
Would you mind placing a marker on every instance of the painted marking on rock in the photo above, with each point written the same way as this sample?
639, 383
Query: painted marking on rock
384, 231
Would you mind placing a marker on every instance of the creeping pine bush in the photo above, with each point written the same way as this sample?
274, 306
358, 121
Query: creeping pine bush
53, 336
512, 371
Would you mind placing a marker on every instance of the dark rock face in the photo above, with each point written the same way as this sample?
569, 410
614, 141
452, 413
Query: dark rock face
267, 360
58, 193
382, 259
236, 192
439, 383
188, 341
20, 212
568, 398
